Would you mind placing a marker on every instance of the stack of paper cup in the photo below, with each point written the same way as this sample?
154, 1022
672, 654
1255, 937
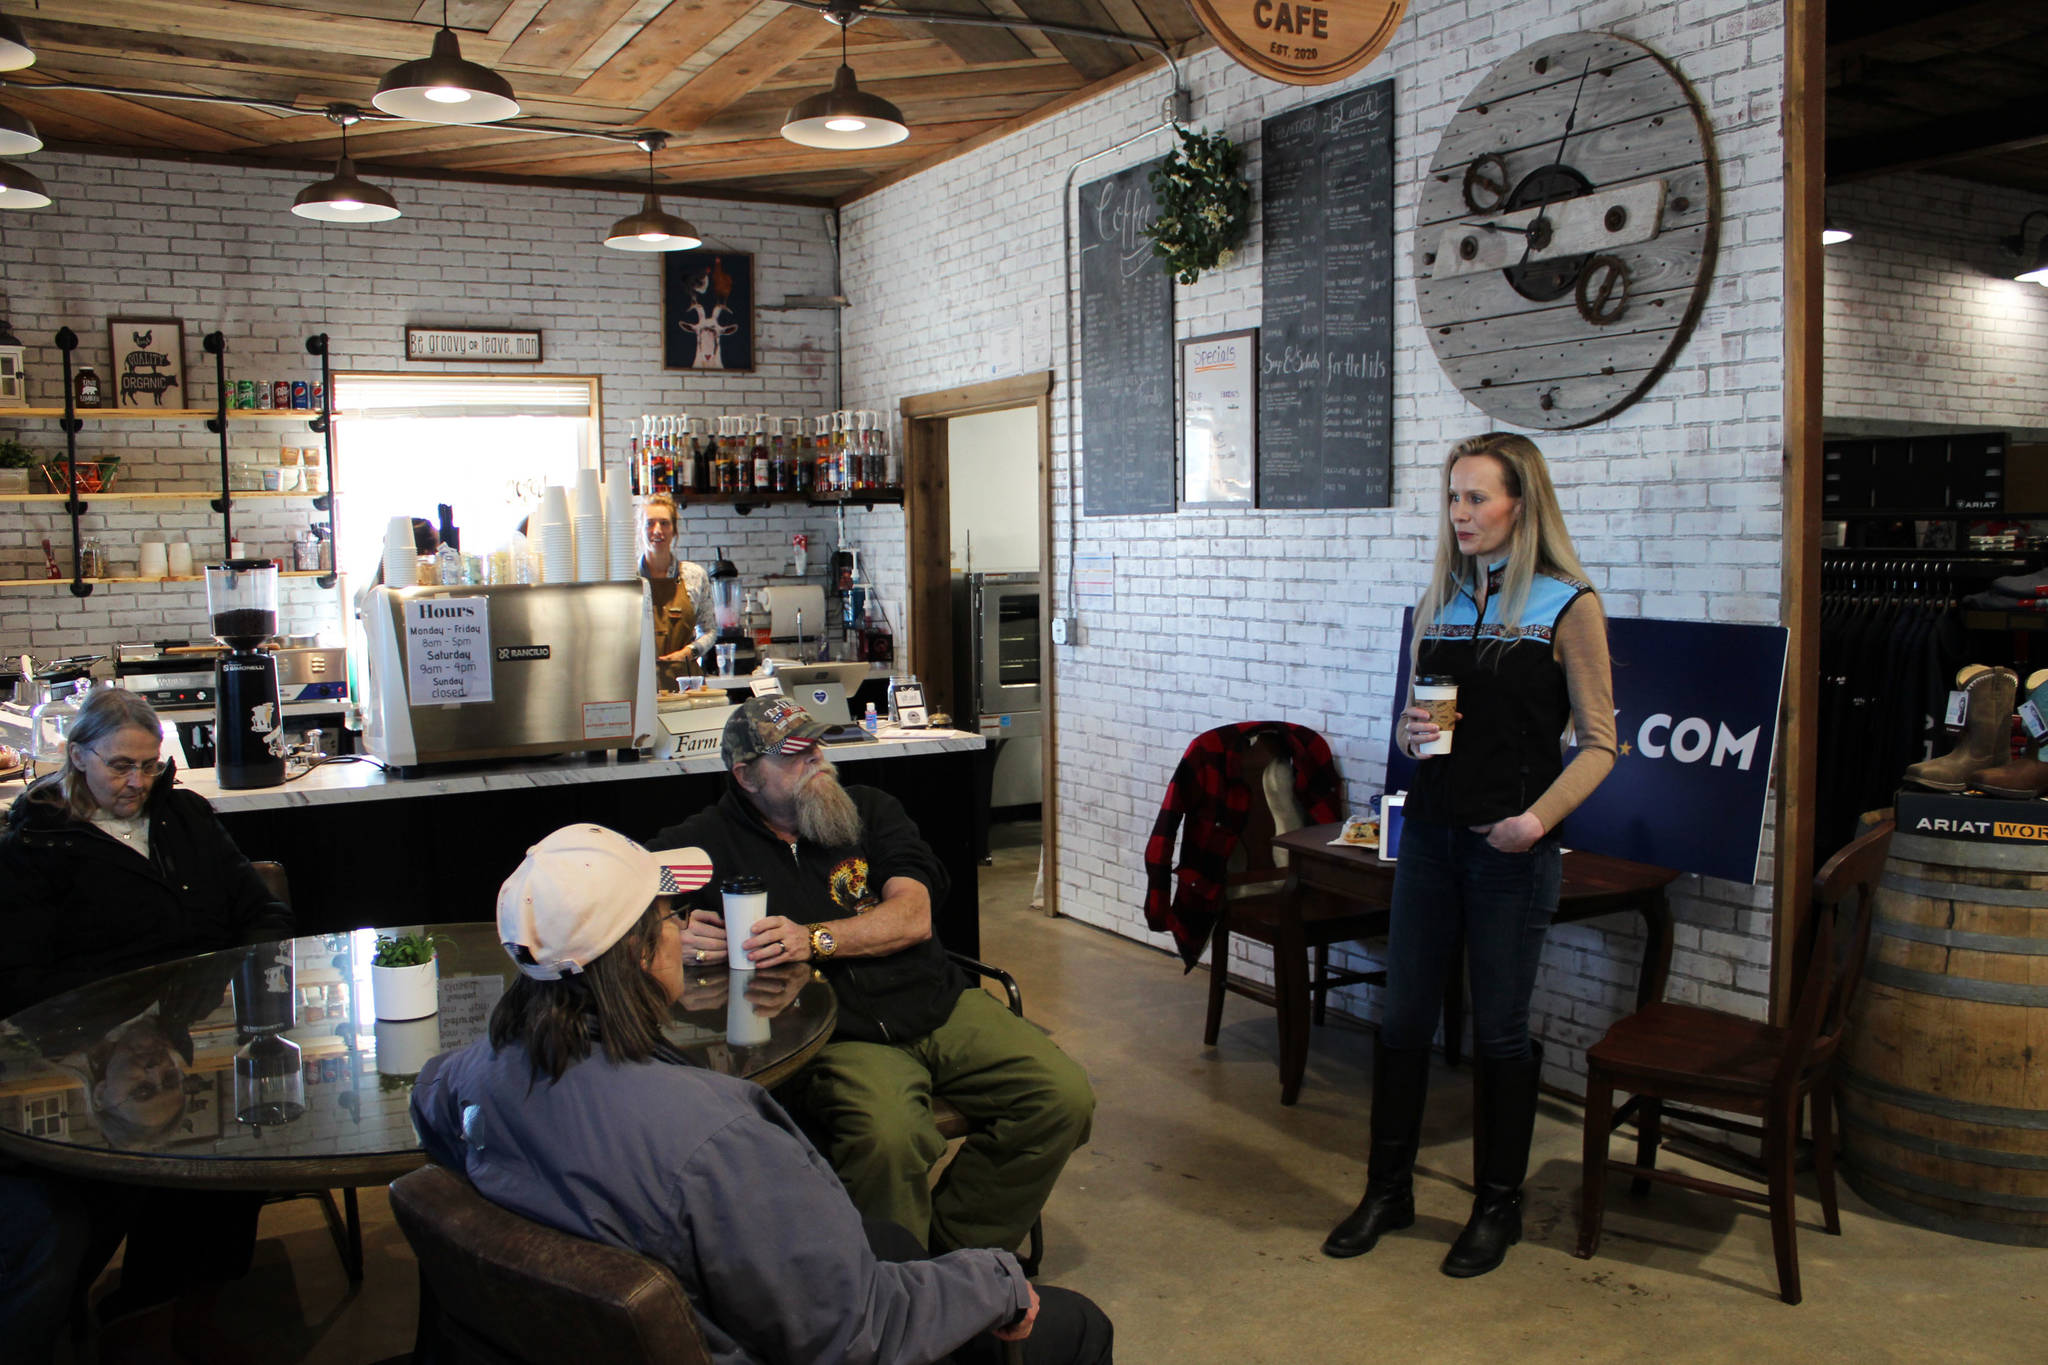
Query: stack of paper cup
622, 558
401, 561
551, 531
178, 559
588, 519
154, 560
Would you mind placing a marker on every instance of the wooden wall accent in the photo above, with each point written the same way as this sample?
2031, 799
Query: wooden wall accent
1805, 211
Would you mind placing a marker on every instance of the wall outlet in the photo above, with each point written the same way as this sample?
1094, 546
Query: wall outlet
1066, 630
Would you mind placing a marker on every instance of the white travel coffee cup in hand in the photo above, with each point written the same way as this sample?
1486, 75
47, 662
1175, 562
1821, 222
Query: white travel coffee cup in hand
1439, 696
745, 905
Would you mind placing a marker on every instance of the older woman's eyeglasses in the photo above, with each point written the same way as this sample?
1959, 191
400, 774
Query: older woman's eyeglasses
125, 768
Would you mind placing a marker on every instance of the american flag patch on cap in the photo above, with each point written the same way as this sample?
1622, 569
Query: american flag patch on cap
683, 870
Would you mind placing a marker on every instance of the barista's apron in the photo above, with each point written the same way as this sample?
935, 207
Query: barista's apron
675, 627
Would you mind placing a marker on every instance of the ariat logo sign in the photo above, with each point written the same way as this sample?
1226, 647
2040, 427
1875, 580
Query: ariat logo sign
1932, 824
1982, 829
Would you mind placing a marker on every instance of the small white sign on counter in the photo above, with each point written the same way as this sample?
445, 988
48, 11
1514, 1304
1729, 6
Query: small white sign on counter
448, 650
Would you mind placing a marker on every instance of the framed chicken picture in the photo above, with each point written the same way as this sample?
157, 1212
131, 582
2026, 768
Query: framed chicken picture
707, 310
149, 363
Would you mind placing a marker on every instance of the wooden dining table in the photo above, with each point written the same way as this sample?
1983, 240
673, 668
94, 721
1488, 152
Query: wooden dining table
1359, 883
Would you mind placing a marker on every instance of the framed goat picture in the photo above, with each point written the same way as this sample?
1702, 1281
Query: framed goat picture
149, 362
707, 310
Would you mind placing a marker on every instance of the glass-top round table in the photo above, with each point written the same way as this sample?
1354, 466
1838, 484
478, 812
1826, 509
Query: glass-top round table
267, 1068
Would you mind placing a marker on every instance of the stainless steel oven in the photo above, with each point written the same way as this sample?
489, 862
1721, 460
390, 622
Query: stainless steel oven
997, 673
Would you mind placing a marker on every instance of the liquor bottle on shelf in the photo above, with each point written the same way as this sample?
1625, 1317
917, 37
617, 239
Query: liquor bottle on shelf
778, 457
764, 477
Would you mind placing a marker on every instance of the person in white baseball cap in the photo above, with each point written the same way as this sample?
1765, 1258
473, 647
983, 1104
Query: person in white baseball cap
575, 1112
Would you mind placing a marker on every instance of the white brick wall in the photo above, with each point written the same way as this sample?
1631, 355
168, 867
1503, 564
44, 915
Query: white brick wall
220, 249
1924, 322
1675, 504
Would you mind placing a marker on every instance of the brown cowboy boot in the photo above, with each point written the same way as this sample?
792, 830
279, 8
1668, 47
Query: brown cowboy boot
1987, 727
2023, 778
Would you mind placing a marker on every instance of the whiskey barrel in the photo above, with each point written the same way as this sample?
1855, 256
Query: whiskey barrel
1944, 1096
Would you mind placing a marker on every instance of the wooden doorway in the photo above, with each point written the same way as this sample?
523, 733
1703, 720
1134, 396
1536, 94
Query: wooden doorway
927, 517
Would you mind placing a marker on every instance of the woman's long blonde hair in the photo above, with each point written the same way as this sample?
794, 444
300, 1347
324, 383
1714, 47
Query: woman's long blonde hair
1539, 542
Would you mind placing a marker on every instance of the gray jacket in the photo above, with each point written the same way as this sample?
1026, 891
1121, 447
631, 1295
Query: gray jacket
709, 1176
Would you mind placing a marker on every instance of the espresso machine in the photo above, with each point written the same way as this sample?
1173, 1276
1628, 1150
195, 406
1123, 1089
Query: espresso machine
241, 597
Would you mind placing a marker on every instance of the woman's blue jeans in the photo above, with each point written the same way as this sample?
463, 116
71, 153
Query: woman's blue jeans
1449, 881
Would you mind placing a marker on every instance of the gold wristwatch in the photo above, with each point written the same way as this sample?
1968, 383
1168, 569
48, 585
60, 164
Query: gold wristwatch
822, 944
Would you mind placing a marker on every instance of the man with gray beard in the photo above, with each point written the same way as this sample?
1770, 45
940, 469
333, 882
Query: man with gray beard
851, 889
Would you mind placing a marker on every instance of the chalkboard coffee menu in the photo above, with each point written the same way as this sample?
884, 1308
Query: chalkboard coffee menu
1326, 388
1127, 423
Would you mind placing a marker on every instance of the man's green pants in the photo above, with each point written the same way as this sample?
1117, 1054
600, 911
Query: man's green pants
871, 1104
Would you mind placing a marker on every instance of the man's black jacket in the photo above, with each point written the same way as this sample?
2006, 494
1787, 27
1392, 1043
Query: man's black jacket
891, 999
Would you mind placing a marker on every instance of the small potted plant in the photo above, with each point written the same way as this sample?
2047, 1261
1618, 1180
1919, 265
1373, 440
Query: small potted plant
15, 461
405, 976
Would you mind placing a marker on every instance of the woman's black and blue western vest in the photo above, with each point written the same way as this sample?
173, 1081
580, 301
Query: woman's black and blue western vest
1512, 698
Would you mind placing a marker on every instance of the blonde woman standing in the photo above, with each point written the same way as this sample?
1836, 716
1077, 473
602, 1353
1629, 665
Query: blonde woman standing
1509, 617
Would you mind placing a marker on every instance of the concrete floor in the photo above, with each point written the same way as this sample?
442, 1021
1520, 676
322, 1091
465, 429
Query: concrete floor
1194, 1215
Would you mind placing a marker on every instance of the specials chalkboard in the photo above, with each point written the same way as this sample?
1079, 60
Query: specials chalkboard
1326, 388
1127, 422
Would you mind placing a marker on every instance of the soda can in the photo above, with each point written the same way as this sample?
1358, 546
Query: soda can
318, 394
330, 1069
301, 395
259, 394
245, 393
281, 394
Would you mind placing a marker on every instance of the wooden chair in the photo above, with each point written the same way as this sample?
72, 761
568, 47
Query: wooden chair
1259, 905
344, 1224
499, 1289
1668, 1054
954, 1124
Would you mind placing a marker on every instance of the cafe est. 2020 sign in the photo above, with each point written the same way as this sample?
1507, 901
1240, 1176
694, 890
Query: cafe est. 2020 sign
1301, 44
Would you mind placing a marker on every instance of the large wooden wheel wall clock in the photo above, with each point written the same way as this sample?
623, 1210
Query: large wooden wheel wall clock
1566, 232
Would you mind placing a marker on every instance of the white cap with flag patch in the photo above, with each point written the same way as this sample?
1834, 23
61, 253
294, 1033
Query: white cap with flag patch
577, 893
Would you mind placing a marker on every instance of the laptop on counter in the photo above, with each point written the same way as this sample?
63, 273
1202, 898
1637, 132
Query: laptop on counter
826, 701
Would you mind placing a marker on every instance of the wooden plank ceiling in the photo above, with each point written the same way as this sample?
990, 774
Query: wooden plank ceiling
717, 75
1958, 90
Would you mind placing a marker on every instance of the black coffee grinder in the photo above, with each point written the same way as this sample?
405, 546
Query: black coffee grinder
241, 596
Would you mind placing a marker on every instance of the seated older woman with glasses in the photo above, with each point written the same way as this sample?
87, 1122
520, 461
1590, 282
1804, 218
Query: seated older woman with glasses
106, 866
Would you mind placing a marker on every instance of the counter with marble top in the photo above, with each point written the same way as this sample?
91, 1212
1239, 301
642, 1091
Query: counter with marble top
362, 847
340, 782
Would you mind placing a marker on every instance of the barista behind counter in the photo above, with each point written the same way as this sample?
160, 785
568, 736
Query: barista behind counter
684, 626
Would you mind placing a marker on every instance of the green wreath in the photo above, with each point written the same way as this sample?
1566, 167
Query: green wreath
1204, 205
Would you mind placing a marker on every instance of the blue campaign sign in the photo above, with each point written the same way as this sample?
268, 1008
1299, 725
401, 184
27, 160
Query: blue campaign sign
1696, 728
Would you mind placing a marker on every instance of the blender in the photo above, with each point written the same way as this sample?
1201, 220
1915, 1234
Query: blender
241, 597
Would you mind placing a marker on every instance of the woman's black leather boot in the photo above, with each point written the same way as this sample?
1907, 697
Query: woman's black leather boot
1506, 1121
1400, 1082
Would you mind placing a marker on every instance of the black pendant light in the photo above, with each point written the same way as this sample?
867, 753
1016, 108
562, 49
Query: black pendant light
344, 198
20, 189
652, 229
445, 88
844, 118
18, 137
14, 49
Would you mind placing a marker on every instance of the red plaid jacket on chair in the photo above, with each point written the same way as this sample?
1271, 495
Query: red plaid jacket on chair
1209, 793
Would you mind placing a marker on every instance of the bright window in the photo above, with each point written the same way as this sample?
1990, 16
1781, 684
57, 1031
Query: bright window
484, 444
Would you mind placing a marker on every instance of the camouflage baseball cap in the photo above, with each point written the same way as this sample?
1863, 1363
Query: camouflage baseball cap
768, 725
